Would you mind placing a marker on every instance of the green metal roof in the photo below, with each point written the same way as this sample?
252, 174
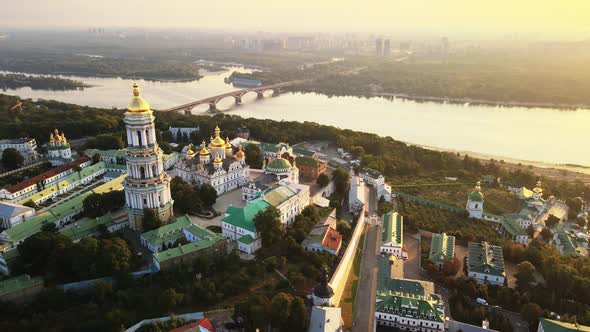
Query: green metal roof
206, 240
121, 153
278, 163
169, 232
66, 181
18, 283
278, 195
476, 196
244, 217
442, 247
550, 325
246, 239
566, 240
86, 227
303, 152
405, 297
512, 227
392, 228
23, 230
307, 161
486, 258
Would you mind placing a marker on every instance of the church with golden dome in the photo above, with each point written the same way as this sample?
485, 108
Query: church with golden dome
215, 164
59, 151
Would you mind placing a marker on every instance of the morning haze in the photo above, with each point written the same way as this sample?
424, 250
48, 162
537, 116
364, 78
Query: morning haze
294, 166
538, 19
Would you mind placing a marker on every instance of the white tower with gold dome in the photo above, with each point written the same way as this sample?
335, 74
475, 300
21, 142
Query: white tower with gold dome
147, 185
475, 202
58, 149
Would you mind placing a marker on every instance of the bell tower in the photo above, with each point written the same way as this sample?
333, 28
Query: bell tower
147, 185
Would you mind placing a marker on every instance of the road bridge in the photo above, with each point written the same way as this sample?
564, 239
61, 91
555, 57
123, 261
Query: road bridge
237, 95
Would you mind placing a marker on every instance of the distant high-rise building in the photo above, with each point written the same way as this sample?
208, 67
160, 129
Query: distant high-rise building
379, 46
386, 47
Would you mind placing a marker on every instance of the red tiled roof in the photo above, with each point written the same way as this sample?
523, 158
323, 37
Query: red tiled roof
52, 172
332, 239
204, 323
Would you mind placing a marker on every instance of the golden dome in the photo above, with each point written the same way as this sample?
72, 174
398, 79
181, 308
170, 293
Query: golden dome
63, 137
217, 161
190, 151
240, 153
51, 139
227, 144
217, 142
137, 103
204, 152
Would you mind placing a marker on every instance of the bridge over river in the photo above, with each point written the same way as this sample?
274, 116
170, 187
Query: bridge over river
237, 95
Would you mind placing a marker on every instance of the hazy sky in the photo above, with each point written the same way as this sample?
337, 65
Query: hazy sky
541, 18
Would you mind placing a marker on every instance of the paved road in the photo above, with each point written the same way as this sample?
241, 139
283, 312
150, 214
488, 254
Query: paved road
367, 285
412, 264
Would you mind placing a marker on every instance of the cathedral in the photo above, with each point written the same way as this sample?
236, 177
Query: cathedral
214, 164
147, 185
58, 149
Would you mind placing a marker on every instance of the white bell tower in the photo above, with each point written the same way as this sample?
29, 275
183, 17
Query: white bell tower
147, 185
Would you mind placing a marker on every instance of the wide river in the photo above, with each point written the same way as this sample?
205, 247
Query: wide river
543, 135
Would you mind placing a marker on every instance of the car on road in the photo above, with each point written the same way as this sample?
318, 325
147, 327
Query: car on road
481, 301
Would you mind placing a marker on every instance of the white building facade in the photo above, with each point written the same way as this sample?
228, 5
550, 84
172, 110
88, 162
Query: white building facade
147, 184
215, 165
59, 151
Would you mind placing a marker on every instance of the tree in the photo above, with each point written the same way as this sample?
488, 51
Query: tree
280, 310
12, 159
341, 178
151, 219
357, 151
451, 266
169, 299
551, 221
298, 319
95, 158
343, 227
268, 224
93, 205
186, 198
114, 256
525, 275
254, 156
323, 180
546, 234
208, 194
105, 142
531, 312
31, 204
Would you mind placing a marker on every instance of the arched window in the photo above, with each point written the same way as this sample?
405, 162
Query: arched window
154, 170
476, 206
139, 140
141, 172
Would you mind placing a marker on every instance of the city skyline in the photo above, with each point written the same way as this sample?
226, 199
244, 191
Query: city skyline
456, 18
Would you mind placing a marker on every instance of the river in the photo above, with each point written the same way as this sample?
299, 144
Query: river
543, 135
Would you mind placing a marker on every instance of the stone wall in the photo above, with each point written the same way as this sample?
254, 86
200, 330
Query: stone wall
338, 281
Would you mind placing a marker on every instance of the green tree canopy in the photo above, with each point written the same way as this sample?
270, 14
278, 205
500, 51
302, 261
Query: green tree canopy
323, 180
151, 220
268, 224
208, 194
12, 159
254, 156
